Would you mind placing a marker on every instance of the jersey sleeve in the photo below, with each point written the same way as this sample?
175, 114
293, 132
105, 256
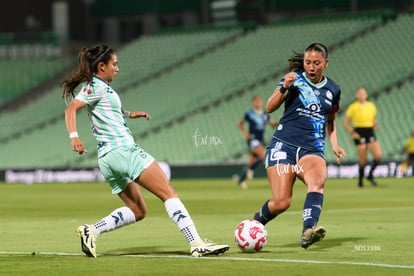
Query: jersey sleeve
335, 102
350, 111
246, 117
374, 108
89, 94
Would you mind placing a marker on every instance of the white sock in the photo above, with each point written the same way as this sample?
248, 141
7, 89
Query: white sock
179, 214
118, 218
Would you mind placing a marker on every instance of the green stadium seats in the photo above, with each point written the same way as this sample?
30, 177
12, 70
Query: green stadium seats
206, 94
20, 75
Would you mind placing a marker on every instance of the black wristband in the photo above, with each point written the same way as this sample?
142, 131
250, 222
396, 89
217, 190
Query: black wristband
283, 89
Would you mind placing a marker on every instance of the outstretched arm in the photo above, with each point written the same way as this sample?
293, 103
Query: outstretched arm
137, 114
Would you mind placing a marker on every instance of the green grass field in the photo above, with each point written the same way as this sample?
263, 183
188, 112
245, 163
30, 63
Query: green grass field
369, 231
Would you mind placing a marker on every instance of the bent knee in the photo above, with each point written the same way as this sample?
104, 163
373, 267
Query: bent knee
279, 205
316, 186
139, 213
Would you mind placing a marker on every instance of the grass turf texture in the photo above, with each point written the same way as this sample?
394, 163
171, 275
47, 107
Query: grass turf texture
369, 231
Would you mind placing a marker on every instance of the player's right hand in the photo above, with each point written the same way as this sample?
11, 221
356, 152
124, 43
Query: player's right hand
289, 79
77, 146
355, 135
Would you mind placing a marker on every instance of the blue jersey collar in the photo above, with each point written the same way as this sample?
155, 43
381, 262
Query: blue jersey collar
318, 85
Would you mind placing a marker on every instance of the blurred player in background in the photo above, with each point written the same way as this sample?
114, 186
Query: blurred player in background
408, 150
311, 101
257, 119
125, 165
363, 115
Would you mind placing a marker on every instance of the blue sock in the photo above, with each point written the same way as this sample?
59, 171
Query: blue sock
264, 215
243, 176
312, 209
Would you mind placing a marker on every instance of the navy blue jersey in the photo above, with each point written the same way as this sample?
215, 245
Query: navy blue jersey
257, 123
307, 107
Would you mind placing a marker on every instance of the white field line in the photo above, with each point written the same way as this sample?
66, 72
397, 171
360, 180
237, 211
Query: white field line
217, 259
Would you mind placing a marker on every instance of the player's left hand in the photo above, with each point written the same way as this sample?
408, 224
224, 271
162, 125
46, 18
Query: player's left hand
146, 115
139, 114
340, 153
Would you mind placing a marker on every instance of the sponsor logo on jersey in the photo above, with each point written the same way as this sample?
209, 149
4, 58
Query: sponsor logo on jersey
329, 95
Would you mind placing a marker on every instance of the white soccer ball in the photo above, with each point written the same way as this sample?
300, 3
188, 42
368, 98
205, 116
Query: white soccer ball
250, 236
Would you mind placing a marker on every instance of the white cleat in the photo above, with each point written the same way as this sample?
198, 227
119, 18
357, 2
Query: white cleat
206, 247
88, 234
243, 185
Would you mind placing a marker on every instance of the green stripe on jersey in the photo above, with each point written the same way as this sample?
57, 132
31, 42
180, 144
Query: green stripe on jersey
105, 113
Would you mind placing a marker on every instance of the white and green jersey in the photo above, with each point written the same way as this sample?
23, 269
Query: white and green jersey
105, 113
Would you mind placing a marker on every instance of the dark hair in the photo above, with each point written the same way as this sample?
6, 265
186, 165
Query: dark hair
318, 47
88, 60
296, 60
255, 97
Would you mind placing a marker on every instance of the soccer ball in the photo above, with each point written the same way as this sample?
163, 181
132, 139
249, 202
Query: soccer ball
250, 236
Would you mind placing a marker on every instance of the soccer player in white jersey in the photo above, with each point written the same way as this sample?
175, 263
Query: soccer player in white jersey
125, 165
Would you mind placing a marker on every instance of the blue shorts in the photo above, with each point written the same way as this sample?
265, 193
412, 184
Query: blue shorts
123, 165
281, 153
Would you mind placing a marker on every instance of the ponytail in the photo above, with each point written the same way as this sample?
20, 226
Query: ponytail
88, 60
296, 63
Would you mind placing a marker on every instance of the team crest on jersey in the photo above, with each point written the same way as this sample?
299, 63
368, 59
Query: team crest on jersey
308, 96
87, 90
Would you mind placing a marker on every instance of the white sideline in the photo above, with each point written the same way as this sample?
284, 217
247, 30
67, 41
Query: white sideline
216, 258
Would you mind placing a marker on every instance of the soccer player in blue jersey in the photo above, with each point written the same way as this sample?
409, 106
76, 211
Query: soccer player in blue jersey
124, 164
311, 101
257, 119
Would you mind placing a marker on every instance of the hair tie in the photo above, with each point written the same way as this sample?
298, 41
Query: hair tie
100, 56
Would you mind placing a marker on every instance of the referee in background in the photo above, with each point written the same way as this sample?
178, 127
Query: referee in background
362, 113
